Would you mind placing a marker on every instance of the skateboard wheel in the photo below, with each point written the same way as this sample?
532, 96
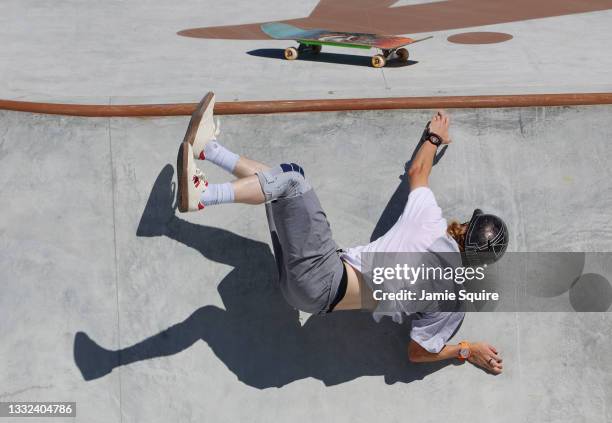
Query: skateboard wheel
291, 53
378, 61
316, 49
402, 55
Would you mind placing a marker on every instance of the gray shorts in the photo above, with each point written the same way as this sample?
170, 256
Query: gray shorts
309, 266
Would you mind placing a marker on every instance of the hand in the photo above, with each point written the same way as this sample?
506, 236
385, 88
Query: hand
439, 125
485, 356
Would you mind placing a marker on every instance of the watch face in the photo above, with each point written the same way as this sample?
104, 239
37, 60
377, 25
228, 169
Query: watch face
435, 139
464, 352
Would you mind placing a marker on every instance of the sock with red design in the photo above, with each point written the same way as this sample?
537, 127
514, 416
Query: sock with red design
219, 155
217, 194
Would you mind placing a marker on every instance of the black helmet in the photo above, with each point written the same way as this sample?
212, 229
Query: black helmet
486, 239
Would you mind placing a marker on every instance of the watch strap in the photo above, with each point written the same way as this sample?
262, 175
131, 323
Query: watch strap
464, 345
431, 137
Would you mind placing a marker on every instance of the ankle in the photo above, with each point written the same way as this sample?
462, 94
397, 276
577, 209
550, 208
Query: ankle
217, 194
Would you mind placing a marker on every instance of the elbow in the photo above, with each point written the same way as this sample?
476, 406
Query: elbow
414, 170
414, 358
415, 354
417, 176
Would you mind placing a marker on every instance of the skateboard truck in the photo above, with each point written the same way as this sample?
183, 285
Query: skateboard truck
401, 53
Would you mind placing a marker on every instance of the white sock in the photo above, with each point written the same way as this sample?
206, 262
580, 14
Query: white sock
221, 156
217, 194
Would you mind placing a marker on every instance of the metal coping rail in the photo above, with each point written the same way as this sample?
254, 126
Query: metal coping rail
323, 105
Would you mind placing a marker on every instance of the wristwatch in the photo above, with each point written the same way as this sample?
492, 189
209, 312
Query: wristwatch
434, 139
464, 352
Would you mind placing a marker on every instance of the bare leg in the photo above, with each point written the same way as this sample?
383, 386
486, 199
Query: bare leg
247, 190
247, 167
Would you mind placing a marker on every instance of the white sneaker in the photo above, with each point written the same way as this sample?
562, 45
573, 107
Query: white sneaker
191, 180
202, 127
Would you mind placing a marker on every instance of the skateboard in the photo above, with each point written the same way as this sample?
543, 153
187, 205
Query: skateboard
312, 40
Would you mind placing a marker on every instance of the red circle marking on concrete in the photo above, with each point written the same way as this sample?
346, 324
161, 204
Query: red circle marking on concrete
479, 38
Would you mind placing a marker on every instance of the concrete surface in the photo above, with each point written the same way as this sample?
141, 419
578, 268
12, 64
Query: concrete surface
94, 259
129, 51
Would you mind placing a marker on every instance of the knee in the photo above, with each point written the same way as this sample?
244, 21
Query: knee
284, 181
296, 181
293, 168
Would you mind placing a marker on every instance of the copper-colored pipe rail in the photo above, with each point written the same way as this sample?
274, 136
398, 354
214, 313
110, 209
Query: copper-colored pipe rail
327, 105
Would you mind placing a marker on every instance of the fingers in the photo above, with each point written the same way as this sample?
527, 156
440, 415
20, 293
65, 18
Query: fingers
487, 357
493, 360
494, 366
494, 370
441, 117
494, 353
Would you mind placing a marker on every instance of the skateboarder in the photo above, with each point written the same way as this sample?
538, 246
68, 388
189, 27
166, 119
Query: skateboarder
315, 275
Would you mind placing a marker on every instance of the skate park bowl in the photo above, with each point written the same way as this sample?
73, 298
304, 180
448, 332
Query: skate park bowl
114, 300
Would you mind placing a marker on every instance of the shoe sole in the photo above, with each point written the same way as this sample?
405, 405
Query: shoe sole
181, 172
196, 118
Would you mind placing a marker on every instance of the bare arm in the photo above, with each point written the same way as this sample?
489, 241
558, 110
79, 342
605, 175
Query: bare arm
481, 354
423, 161
418, 354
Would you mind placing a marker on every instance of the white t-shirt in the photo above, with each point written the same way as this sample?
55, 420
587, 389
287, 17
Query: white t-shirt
420, 228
